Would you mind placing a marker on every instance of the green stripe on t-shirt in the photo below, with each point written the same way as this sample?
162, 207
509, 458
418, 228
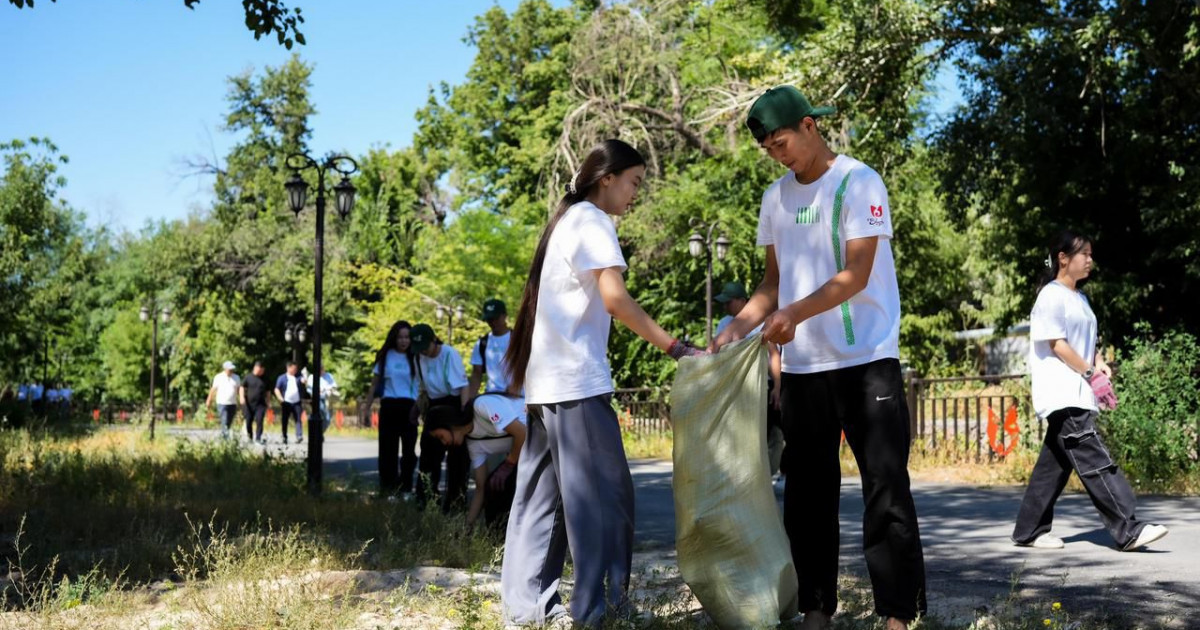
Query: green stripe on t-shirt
838, 198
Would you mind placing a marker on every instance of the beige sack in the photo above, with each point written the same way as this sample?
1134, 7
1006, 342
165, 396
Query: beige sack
733, 551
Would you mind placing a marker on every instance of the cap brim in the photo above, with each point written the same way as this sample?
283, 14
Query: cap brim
721, 298
824, 110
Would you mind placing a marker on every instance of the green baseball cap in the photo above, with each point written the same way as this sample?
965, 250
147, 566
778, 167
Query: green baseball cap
492, 309
421, 336
731, 291
780, 107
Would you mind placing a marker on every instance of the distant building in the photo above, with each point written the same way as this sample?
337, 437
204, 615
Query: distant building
1004, 354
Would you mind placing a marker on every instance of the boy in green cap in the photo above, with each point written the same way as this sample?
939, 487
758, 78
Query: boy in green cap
829, 297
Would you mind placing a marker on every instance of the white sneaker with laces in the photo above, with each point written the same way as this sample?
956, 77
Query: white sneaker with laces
1045, 541
1150, 533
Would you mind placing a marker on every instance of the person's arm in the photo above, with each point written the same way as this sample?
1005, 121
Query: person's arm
476, 379
278, 394
1067, 354
481, 482
780, 326
1101, 364
212, 392
242, 394
505, 469
776, 367
762, 303
626, 310
370, 397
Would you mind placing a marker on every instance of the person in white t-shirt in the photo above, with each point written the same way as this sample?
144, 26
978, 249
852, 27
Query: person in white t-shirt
494, 435
573, 459
442, 376
1069, 378
487, 357
225, 387
829, 297
395, 384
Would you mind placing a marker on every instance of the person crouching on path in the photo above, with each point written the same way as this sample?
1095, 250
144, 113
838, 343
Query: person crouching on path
441, 374
829, 297
573, 483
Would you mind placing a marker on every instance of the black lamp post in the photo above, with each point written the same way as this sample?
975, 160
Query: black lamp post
297, 190
448, 313
295, 334
703, 246
148, 313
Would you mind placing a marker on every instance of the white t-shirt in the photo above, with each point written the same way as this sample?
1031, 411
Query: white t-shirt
809, 225
227, 388
328, 385
291, 393
497, 378
493, 414
444, 374
568, 359
401, 378
1060, 313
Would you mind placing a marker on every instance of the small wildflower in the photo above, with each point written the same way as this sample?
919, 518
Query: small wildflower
1057, 606
1046, 622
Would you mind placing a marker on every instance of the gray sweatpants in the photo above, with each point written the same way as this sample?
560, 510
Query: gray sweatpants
573, 489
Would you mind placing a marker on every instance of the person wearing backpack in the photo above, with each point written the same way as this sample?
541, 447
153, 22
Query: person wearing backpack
487, 358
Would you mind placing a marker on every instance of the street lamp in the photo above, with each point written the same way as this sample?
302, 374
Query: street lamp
703, 245
147, 314
297, 191
295, 334
450, 314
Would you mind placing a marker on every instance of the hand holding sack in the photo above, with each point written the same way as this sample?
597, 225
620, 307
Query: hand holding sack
678, 350
1106, 398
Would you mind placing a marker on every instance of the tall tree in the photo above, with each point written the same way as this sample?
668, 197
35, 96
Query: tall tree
1082, 115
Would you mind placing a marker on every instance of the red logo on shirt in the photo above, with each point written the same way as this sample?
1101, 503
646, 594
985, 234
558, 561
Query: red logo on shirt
495, 418
877, 211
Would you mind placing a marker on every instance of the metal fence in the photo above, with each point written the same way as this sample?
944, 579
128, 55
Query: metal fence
644, 409
976, 418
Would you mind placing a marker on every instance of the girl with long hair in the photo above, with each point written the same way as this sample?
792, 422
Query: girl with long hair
1070, 386
395, 381
573, 483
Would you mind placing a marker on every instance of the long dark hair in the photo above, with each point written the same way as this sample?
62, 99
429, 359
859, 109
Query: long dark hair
611, 157
390, 344
1069, 243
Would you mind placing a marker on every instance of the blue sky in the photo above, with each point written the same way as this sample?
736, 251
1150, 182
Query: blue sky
128, 89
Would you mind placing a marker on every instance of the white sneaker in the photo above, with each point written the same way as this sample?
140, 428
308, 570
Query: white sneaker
1045, 541
1150, 533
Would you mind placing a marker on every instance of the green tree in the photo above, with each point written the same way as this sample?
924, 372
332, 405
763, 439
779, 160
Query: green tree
1080, 115
263, 17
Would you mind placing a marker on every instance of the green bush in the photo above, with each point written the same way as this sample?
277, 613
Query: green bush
1153, 433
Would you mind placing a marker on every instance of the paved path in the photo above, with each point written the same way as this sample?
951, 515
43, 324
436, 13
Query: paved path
970, 561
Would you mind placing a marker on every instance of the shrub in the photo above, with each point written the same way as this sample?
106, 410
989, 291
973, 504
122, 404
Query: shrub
1153, 433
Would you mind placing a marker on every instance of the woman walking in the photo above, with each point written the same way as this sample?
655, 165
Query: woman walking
1070, 385
396, 382
573, 483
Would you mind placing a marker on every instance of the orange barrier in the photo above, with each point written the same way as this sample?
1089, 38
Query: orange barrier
270, 415
339, 418
178, 415
375, 419
1011, 428
96, 415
